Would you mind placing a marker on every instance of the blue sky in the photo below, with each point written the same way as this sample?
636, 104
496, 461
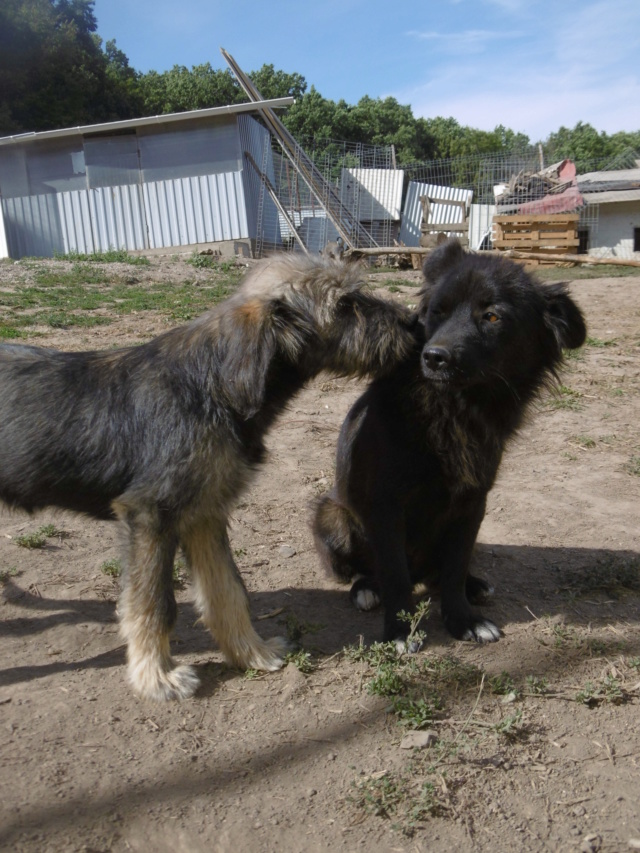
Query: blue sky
532, 65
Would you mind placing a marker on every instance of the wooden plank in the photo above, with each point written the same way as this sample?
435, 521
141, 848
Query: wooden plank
549, 217
535, 244
578, 259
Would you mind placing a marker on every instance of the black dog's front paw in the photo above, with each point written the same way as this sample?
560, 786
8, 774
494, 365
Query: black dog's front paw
477, 590
404, 645
474, 628
364, 594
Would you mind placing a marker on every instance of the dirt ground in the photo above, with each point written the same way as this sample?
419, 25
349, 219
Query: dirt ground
533, 742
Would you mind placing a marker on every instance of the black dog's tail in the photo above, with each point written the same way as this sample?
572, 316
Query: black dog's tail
339, 540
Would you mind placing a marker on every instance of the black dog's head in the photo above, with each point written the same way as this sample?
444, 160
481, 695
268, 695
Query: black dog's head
489, 323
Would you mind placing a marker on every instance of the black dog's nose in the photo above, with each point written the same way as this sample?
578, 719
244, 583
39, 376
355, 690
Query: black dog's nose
436, 357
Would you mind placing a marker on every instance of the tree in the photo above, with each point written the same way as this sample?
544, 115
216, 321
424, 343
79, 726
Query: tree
182, 89
52, 71
278, 84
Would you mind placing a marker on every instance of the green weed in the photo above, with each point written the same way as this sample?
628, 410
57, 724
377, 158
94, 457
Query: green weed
110, 257
38, 539
566, 398
613, 576
6, 574
633, 466
502, 685
112, 568
301, 660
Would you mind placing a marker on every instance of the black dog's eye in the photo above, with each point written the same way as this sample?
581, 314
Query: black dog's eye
490, 317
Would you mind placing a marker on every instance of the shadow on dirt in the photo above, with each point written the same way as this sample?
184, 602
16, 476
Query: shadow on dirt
582, 586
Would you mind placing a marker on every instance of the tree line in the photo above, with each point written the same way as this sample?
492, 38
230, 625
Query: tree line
55, 71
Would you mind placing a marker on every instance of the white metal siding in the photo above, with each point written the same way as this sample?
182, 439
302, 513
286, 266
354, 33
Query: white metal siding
480, 221
372, 193
412, 211
32, 225
206, 209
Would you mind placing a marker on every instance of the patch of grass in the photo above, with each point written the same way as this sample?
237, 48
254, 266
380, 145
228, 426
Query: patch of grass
113, 256
418, 712
6, 574
511, 726
296, 628
71, 297
9, 332
633, 466
502, 685
598, 343
405, 801
536, 685
38, 539
584, 441
613, 576
112, 568
387, 681
566, 398
609, 691
302, 661
211, 262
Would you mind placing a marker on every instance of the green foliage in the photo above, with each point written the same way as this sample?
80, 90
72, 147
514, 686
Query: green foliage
113, 256
37, 539
53, 70
633, 466
612, 576
56, 73
6, 574
112, 568
502, 684
301, 660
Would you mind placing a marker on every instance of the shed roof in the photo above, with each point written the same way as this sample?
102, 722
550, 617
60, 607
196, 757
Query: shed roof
190, 115
610, 196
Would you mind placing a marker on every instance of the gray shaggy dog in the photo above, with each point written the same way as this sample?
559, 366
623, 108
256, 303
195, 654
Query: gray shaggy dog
166, 436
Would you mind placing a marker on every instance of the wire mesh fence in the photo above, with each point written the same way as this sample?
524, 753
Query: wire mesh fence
380, 197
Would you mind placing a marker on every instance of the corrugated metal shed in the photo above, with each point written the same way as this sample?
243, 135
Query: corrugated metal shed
151, 183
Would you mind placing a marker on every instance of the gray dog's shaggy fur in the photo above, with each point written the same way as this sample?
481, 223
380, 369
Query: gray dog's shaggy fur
166, 436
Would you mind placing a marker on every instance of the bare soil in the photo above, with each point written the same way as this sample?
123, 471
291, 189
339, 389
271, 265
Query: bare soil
545, 759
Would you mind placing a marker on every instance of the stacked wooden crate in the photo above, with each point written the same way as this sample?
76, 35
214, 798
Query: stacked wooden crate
551, 234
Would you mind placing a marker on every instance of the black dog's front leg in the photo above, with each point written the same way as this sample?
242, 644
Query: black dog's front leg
453, 555
388, 545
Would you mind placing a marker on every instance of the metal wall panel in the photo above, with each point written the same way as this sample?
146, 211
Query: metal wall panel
412, 211
32, 225
117, 218
75, 223
186, 211
372, 194
480, 221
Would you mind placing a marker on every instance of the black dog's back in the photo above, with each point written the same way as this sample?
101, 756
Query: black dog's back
420, 449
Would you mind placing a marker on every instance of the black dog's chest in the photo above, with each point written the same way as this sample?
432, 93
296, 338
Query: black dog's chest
430, 517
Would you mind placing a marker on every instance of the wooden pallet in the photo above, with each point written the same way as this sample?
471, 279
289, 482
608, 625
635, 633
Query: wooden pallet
556, 233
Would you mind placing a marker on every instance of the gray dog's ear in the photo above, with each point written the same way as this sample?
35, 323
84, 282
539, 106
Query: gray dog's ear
564, 317
250, 345
447, 255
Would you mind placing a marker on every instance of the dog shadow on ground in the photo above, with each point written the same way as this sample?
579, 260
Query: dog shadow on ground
579, 586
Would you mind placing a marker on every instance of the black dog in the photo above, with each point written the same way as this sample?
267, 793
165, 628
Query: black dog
420, 449
167, 435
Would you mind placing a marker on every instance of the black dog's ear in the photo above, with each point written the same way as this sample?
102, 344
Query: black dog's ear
447, 255
564, 316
